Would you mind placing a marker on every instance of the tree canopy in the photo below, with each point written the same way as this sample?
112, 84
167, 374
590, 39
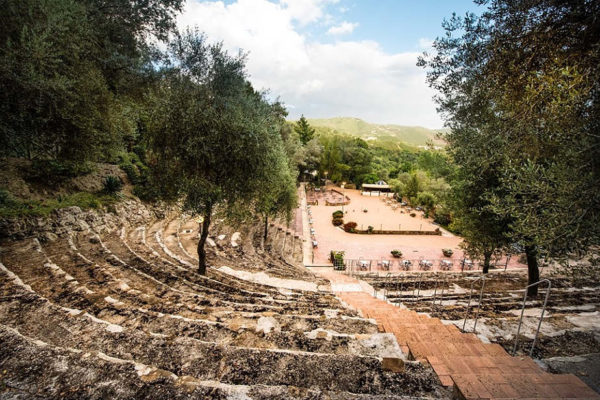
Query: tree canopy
519, 88
304, 130
215, 139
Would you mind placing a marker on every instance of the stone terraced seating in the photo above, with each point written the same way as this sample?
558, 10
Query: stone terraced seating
120, 316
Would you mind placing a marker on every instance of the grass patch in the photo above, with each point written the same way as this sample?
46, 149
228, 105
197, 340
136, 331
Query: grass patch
11, 207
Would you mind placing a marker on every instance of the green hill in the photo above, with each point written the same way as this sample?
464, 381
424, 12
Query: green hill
412, 135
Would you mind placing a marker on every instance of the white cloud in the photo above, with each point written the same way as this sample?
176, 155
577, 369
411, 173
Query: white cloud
345, 78
305, 11
425, 44
343, 28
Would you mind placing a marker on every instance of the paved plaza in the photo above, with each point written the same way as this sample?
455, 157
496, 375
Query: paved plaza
386, 216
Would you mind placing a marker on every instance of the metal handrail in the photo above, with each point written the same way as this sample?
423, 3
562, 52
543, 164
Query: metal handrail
385, 285
482, 277
419, 289
442, 292
434, 293
537, 332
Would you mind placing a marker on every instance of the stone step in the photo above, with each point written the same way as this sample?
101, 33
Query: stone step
476, 370
68, 373
519, 386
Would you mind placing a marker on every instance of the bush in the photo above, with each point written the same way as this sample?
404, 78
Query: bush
131, 171
370, 229
83, 200
350, 227
337, 221
55, 171
338, 214
5, 198
396, 253
337, 259
112, 184
412, 214
447, 252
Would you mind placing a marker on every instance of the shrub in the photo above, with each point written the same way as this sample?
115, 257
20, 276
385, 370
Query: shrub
396, 253
337, 259
55, 171
336, 256
350, 226
337, 221
412, 214
131, 171
338, 214
5, 198
447, 252
112, 184
370, 229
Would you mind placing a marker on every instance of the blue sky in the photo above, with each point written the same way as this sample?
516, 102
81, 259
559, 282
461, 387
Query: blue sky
397, 25
328, 58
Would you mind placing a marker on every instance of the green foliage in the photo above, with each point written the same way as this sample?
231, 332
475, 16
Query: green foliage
304, 130
370, 229
11, 207
350, 226
338, 214
56, 171
337, 258
6, 199
112, 184
389, 135
73, 74
134, 168
337, 221
214, 140
396, 253
520, 93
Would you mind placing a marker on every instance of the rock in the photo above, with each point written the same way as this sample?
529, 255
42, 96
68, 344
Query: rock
267, 324
49, 237
392, 364
234, 239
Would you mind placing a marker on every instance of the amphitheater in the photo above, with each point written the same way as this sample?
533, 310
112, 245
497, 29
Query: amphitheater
109, 305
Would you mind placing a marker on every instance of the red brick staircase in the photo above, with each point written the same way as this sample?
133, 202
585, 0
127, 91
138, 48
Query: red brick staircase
476, 370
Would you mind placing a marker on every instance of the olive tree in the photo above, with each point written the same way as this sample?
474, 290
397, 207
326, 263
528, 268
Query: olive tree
518, 86
212, 135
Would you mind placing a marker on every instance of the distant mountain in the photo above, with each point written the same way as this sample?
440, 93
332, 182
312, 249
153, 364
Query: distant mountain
412, 135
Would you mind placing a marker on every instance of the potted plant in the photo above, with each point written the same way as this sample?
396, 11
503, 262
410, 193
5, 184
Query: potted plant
447, 252
337, 259
396, 253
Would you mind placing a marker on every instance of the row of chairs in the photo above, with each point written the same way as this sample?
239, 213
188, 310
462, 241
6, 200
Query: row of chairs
362, 264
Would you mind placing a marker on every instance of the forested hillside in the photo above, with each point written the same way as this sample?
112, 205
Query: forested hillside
411, 135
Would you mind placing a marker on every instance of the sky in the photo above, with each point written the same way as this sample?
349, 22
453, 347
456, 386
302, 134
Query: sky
334, 58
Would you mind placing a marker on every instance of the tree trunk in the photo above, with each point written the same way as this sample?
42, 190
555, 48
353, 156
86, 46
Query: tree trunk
202, 242
532, 268
266, 228
487, 256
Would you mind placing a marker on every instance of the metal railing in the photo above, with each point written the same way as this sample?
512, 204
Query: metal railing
537, 332
482, 278
444, 283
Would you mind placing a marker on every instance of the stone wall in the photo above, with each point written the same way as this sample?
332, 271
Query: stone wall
68, 219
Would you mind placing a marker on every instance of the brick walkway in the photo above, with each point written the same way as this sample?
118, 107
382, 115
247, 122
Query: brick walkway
476, 370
